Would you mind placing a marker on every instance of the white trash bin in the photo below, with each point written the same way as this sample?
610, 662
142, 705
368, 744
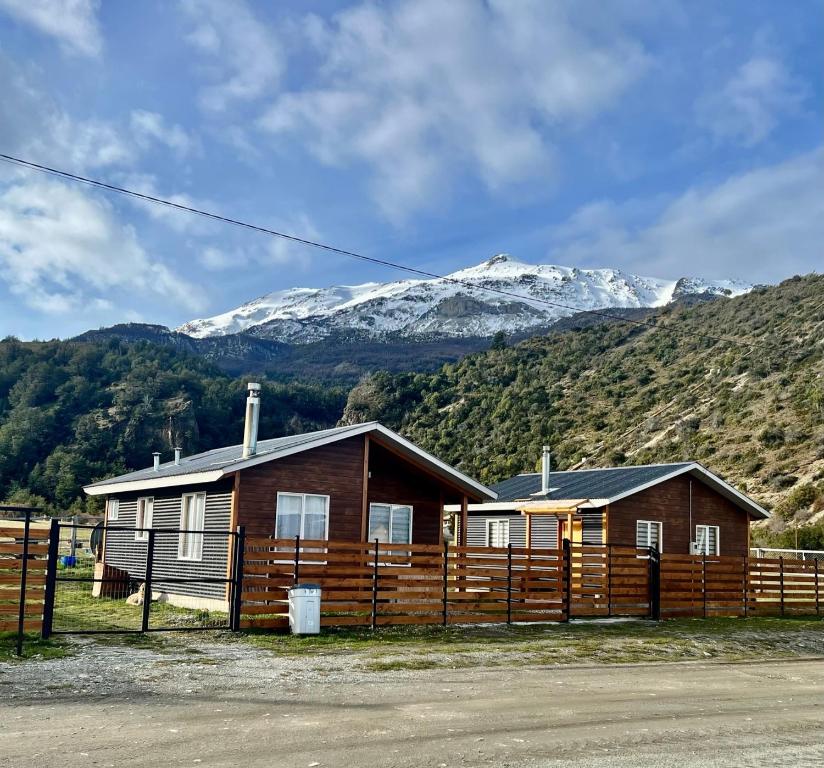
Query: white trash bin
304, 609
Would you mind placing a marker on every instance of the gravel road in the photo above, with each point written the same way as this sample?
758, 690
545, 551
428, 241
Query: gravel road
204, 704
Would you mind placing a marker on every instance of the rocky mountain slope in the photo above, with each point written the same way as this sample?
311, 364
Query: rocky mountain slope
459, 305
618, 393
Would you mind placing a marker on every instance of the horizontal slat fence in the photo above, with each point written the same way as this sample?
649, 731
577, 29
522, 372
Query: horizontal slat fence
11, 572
609, 581
392, 584
694, 585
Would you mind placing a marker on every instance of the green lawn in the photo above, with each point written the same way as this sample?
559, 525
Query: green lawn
76, 610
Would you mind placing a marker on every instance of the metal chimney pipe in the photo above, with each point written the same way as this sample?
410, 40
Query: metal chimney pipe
545, 466
156, 455
250, 431
178, 451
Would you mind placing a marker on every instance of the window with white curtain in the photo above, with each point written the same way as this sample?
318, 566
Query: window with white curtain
707, 540
497, 533
390, 523
302, 514
649, 533
192, 517
113, 510
143, 519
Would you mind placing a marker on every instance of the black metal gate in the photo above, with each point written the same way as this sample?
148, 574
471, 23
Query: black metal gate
121, 579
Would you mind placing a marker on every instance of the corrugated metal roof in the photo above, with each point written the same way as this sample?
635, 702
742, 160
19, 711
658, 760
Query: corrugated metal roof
220, 458
585, 483
214, 464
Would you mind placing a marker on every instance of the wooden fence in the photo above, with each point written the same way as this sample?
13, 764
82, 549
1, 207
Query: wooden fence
609, 581
693, 585
22, 563
390, 584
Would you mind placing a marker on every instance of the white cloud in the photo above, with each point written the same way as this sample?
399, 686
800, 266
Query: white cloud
418, 89
267, 251
748, 107
61, 249
149, 127
247, 57
72, 22
760, 226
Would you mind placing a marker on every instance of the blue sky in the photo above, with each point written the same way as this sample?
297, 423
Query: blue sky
661, 137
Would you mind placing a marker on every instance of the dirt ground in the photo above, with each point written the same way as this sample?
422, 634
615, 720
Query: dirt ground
199, 702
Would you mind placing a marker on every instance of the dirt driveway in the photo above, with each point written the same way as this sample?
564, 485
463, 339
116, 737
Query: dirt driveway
203, 704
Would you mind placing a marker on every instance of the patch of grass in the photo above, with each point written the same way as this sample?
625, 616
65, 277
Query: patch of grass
34, 647
76, 609
403, 648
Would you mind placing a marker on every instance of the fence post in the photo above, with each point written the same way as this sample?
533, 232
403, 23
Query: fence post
509, 583
147, 582
746, 586
704, 583
609, 580
296, 572
781, 573
51, 579
237, 578
21, 611
375, 588
567, 585
445, 582
654, 584
817, 600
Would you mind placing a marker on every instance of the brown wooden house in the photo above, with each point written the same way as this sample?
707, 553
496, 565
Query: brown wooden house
679, 508
353, 483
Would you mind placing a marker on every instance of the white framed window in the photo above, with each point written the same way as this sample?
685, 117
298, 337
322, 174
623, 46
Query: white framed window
707, 540
192, 517
390, 523
113, 510
649, 533
302, 514
143, 518
497, 533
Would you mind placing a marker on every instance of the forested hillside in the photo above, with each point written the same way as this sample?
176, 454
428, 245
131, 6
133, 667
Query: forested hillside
616, 394
74, 412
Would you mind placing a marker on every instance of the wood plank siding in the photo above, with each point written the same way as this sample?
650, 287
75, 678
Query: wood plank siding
394, 481
334, 470
123, 551
337, 471
669, 503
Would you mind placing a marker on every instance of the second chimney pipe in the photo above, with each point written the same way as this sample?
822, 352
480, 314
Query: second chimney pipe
545, 465
250, 431
178, 451
156, 456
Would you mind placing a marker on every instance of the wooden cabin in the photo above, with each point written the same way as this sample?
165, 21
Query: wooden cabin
679, 508
353, 483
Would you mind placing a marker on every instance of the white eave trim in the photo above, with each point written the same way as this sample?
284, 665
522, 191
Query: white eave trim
105, 489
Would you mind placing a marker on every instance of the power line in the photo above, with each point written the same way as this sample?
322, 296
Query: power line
352, 254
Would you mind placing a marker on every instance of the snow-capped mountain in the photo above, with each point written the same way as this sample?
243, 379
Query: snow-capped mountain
458, 305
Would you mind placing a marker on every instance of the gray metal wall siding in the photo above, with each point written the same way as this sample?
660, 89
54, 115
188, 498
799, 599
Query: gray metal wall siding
592, 531
543, 532
476, 529
122, 551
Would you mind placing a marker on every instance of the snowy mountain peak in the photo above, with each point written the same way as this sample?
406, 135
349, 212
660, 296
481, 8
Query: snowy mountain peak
499, 294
